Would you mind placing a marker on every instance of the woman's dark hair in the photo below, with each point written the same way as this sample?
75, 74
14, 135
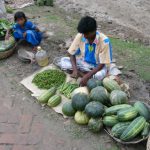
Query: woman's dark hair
87, 24
18, 15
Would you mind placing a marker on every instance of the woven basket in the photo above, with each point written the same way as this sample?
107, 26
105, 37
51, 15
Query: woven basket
5, 54
148, 143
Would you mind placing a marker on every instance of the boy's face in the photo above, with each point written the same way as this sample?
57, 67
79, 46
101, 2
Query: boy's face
20, 21
90, 36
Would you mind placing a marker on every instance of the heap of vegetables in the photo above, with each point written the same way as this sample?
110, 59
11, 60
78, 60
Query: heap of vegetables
103, 105
4, 26
49, 78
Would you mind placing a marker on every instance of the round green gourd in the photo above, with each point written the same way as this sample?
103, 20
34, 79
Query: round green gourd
54, 101
95, 125
79, 101
110, 121
118, 97
99, 94
81, 118
110, 84
92, 83
68, 110
94, 109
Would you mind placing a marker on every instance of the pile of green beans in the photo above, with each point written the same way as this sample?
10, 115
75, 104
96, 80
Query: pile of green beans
49, 78
67, 88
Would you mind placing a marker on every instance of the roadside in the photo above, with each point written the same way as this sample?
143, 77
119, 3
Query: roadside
24, 124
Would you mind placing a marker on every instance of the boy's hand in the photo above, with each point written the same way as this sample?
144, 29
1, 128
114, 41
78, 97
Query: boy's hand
24, 34
74, 74
84, 80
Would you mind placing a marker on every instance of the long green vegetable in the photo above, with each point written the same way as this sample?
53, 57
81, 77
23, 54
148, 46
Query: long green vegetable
49, 78
67, 88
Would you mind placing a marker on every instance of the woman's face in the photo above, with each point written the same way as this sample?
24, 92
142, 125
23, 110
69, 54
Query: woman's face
21, 21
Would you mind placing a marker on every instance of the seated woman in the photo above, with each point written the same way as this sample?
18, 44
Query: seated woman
90, 52
25, 30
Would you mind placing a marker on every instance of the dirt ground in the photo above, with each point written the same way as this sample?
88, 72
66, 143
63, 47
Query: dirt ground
44, 129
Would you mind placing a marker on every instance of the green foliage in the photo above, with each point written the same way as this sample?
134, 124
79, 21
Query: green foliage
44, 2
9, 9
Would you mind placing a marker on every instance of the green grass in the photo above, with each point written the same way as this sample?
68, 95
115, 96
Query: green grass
133, 56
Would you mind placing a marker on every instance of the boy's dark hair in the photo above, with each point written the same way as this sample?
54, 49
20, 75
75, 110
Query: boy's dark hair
87, 24
18, 15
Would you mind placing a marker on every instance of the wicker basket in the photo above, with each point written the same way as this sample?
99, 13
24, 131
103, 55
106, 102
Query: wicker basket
7, 53
148, 143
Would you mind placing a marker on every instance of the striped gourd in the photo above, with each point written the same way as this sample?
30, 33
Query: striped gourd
118, 97
110, 84
136, 126
110, 121
146, 130
143, 110
118, 129
114, 109
54, 101
127, 114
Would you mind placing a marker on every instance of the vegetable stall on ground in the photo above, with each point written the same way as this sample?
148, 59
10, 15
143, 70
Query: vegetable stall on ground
103, 106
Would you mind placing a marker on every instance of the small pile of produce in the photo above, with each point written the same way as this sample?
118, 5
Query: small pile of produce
67, 88
4, 26
49, 78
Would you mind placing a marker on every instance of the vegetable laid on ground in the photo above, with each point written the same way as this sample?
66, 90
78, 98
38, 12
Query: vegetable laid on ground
143, 110
94, 109
54, 101
100, 94
110, 121
146, 130
95, 124
67, 88
111, 84
118, 97
68, 110
49, 78
79, 101
81, 118
136, 126
45, 96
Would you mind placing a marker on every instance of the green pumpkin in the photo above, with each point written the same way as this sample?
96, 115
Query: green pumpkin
100, 94
68, 110
81, 118
118, 97
92, 83
94, 109
79, 101
95, 125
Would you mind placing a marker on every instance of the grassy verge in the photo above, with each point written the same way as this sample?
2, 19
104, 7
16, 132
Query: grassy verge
133, 56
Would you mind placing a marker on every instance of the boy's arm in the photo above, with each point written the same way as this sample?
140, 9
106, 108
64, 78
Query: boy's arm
90, 74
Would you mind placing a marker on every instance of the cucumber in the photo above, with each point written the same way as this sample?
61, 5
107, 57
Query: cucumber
110, 121
114, 109
118, 129
127, 114
54, 101
45, 96
136, 126
146, 130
